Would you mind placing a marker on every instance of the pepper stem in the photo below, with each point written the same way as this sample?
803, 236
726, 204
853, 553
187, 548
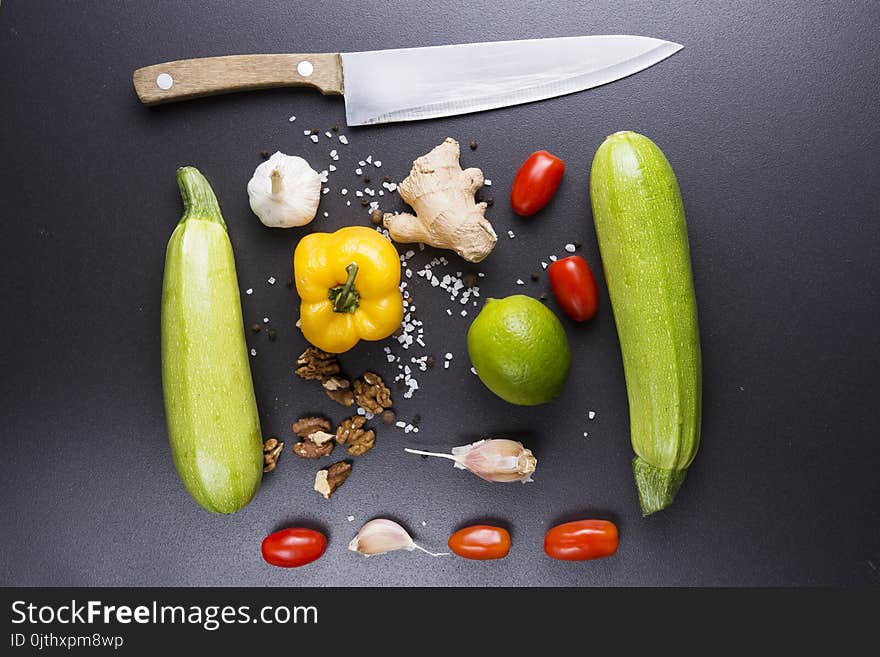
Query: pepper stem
344, 297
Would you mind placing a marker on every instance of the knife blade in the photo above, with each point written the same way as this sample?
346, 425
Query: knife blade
409, 84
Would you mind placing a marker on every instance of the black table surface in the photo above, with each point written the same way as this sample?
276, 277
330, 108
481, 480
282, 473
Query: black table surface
769, 117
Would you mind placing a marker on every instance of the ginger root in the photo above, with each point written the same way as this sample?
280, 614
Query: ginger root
443, 197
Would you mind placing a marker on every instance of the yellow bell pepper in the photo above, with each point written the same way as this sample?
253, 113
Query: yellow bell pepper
348, 283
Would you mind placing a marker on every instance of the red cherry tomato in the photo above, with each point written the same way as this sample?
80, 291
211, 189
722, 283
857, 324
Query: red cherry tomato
536, 183
574, 287
481, 542
581, 540
290, 548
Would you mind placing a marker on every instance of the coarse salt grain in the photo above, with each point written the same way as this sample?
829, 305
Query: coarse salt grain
265, 320
520, 281
307, 132
314, 138
474, 371
553, 258
570, 248
543, 265
325, 190
271, 280
332, 167
464, 313
253, 352
358, 171
377, 163
487, 182
510, 234
362, 163
250, 290
343, 139
591, 414
344, 191
328, 134
350, 518
326, 214
292, 119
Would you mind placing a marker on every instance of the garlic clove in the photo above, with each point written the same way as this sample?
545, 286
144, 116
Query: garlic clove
381, 535
496, 459
499, 460
284, 191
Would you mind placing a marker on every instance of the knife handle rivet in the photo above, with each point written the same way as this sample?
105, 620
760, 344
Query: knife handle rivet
164, 81
305, 68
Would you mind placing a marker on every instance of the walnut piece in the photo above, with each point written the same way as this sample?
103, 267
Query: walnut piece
327, 481
271, 451
352, 433
317, 365
371, 393
339, 390
316, 441
308, 449
306, 426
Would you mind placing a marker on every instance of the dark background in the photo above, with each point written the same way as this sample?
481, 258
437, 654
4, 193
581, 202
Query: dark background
769, 117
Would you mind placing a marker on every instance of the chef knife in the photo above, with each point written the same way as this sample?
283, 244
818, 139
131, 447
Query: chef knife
408, 84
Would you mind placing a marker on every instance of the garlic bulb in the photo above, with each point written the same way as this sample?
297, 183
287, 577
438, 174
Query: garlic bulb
380, 536
284, 191
496, 459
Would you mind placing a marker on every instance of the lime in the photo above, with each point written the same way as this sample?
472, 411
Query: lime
519, 350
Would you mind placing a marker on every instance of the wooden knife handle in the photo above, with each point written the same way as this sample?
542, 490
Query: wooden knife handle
194, 78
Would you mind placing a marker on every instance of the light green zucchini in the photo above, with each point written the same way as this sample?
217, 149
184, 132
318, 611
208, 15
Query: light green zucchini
213, 423
643, 240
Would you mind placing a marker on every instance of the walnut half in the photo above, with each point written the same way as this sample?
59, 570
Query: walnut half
371, 393
316, 441
352, 433
317, 365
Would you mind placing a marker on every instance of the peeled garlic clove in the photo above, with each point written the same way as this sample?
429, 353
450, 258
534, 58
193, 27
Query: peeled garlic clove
380, 536
284, 191
497, 459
